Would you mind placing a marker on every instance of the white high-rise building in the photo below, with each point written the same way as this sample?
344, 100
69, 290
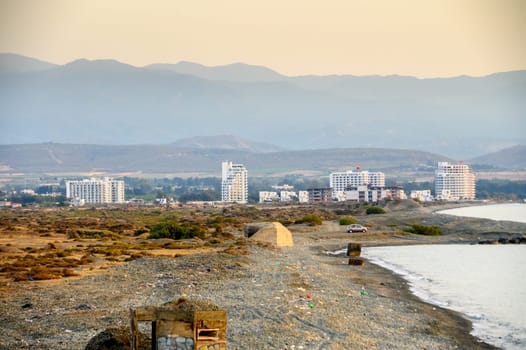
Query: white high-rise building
234, 183
96, 191
340, 181
454, 181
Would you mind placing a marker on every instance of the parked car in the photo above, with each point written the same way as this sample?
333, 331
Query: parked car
356, 228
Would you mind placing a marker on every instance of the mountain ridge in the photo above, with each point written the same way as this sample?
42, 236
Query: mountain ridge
14, 63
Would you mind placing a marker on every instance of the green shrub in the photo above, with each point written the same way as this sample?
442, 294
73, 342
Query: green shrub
221, 220
424, 230
348, 220
175, 231
374, 210
408, 229
310, 219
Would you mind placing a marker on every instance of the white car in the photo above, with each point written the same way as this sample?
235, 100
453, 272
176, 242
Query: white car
356, 228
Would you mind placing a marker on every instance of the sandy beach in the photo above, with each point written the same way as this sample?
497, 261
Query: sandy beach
276, 298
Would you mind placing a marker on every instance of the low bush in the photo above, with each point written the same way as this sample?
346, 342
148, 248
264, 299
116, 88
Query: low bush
374, 210
310, 219
424, 230
174, 230
348, 220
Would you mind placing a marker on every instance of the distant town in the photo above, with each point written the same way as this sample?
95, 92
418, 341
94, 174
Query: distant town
452, 182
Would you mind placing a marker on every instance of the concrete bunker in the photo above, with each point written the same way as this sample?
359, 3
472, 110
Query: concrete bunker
270, 232
181, 325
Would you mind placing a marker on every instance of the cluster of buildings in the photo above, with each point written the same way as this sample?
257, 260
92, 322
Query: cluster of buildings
453, 181
362, 186
359, 185
284, 193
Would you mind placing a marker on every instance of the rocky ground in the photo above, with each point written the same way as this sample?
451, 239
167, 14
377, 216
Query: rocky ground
286, 298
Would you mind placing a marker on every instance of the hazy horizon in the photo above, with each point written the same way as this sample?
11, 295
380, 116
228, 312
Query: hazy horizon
255, 65
410, 38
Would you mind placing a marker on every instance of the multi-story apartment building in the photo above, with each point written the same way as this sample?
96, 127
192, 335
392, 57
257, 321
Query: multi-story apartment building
234, 183
96, 191
340, 181
365, 193
303, 196
319, 195
422, 195
357, 185
454, 181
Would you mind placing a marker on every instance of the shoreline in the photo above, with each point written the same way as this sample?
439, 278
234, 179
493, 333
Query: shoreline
453, 323
288, 298
463, 330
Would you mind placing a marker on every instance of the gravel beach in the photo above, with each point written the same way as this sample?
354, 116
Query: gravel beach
276, 298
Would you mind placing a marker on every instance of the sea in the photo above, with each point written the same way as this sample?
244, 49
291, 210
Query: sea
508, 211
486, 283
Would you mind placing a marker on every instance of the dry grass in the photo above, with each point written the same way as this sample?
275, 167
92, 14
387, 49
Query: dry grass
57, 243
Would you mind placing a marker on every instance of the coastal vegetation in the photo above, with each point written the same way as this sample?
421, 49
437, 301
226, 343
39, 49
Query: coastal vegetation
174, 230
348, 220
310, 219
53, 243
424, 230
374, 210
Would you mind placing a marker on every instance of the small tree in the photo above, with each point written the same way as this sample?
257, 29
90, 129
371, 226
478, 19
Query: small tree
348, 220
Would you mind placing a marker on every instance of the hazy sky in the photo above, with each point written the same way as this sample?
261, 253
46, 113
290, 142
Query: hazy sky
425, 38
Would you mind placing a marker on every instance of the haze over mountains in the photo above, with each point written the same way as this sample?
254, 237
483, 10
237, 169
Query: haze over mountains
108, 102
183, 157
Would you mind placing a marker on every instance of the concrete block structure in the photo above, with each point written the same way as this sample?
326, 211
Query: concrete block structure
181, 325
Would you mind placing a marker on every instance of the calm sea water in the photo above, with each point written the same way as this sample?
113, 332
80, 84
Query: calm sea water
509, 212
487, 283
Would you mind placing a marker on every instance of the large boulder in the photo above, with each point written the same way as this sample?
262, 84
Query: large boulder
270, 232
117, 338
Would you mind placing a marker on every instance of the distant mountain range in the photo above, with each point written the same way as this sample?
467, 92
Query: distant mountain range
108, 102
204, 155
180, 157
